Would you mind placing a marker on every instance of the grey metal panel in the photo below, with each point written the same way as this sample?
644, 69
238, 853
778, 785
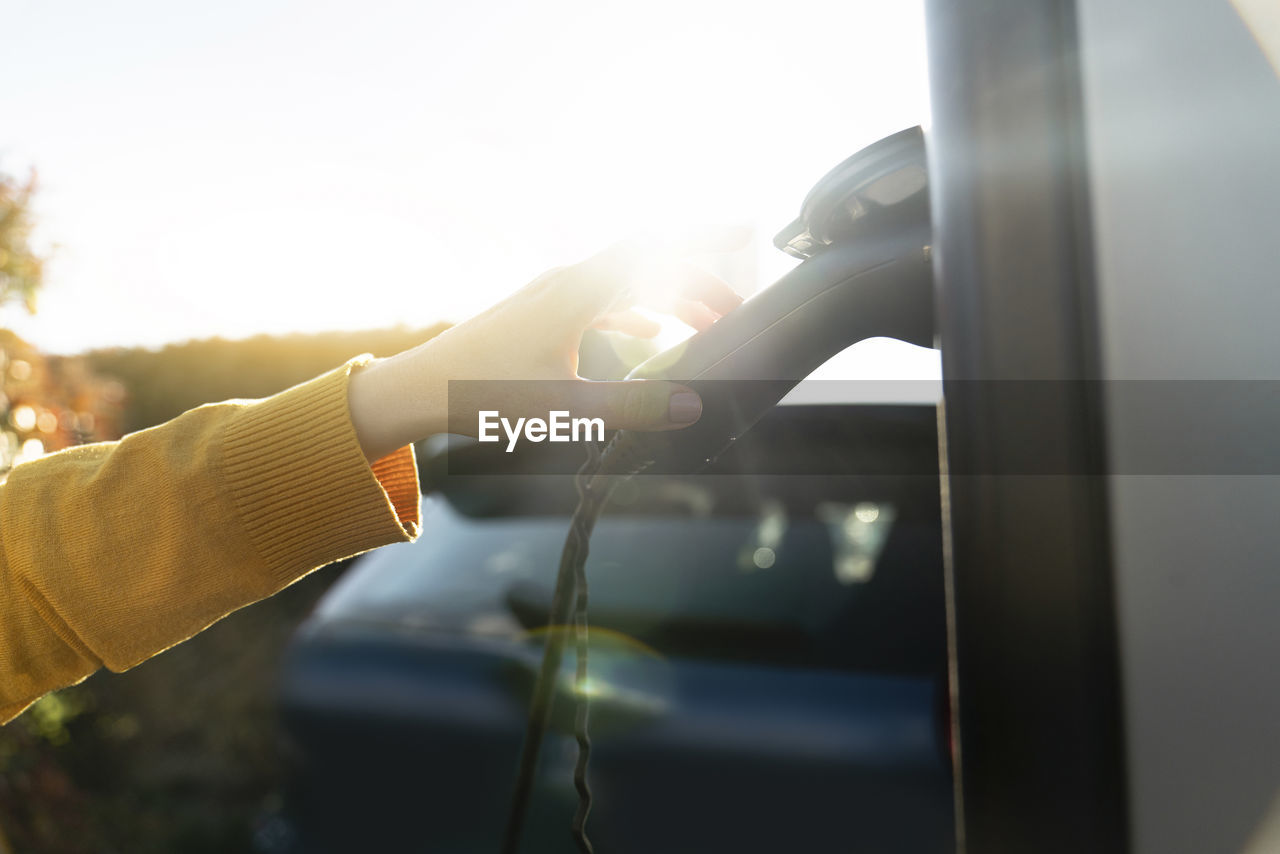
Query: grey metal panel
1183, 122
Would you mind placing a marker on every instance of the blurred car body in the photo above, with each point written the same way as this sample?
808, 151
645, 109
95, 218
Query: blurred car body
768, 657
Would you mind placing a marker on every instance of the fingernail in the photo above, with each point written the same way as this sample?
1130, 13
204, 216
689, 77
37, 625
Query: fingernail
684, 407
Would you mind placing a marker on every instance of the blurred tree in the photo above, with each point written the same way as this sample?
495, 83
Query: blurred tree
164, 383
21, 274
21, 270
45, 404
50, 403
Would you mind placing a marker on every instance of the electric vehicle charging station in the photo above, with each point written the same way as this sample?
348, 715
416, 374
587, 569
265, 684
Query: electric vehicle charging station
1105, 194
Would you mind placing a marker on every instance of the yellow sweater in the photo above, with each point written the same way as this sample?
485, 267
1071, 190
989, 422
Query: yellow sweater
111, 553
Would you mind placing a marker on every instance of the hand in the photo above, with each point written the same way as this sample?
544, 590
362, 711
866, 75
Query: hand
530, 341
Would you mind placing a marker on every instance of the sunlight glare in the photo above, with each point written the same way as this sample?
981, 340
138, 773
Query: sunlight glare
437, 168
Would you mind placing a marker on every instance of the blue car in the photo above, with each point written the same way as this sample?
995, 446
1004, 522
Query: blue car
768, 657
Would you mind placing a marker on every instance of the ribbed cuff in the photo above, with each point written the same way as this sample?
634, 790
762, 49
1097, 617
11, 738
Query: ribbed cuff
301, 484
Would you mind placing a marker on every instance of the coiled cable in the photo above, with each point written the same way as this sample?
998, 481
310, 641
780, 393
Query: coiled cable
595, 482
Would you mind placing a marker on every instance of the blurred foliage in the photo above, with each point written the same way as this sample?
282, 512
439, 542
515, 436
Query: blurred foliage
21, 270
51, 402
45, 404
177, 755
162, 384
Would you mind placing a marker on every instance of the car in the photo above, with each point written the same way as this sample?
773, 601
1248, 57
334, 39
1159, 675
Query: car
768, 656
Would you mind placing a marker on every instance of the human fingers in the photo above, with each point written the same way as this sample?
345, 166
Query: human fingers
629, 322
700, 286
628, 273
638, 404
621, 405
693, 313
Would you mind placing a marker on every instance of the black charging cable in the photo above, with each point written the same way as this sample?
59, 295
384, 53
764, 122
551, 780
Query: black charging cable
595, 481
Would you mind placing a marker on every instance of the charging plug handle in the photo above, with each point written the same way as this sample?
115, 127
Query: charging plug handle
881, 285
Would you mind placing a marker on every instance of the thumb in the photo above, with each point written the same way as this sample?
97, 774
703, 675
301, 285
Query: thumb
639, 404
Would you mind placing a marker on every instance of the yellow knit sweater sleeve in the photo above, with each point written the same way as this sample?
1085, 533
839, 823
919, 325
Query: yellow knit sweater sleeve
111, 553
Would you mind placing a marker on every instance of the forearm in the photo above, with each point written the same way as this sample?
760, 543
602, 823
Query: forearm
397, 401
114, 552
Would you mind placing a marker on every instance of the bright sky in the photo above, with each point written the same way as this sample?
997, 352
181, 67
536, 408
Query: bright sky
277, 165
